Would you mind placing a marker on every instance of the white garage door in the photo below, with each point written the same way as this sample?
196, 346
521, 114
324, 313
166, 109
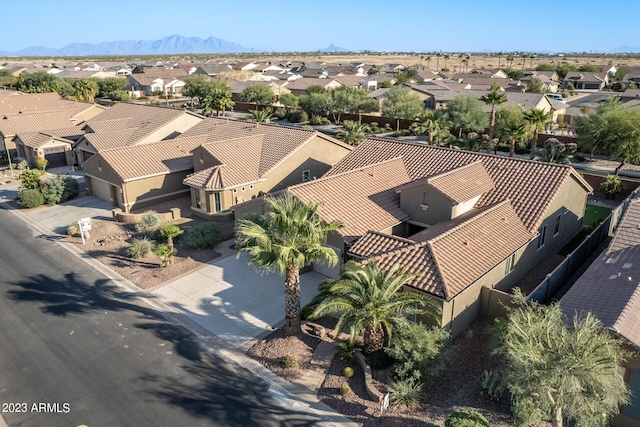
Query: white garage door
101, 189
332, 272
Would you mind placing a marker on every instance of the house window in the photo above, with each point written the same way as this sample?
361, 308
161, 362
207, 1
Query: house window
556, 226
201, 199
543, 232
216, 202
511, 264
306, 176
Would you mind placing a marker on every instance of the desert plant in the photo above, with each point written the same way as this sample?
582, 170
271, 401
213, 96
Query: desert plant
466, 419
290, 362
204, 236
319, 120
30, 198
149, 222
348, 372
167, 232
73, 228
492, 385
30, 178
297, 116
405, 393
52, 190
612, 186
71, 188
345, 389
166, 253
139, 248
23, 165
42, 163
345, 350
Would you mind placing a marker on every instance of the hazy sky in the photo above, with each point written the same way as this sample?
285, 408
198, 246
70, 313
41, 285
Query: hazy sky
278, 25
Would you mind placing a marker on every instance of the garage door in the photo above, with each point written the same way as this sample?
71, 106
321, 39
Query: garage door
56, 160
101, 189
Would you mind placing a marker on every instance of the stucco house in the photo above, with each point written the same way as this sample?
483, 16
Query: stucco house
219, 162
582, 80
610, 290
464, 221
54, 145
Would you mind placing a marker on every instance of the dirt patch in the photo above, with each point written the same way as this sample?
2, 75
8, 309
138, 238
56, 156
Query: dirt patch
457, 387
109, 241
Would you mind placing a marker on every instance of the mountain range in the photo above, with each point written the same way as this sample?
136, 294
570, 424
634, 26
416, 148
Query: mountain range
174, 44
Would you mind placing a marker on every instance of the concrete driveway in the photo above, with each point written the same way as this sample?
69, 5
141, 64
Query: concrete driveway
233, 301
57, 218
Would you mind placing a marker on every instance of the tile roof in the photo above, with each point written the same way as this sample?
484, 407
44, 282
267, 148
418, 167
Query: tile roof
374, 243
107, 140
515, 179
610, 287
38, 139
369, 189
34, 121
480, 242
305, 82
158, 158
232, 169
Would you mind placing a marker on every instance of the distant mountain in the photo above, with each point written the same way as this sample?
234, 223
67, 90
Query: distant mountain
174, 44
332, 48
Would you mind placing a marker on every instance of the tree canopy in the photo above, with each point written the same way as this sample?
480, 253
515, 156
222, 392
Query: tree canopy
467, 113
535, 86
401, 103
259, 94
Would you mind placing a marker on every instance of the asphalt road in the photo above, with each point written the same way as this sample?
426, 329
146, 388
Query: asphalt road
76, 349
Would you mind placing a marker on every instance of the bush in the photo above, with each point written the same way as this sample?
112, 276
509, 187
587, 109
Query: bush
149, 222
23, 165
204, 236
492, 385
42, 163
345, 350
402, 132
345, 389
307, 127
319, 120
297, 116
167, 229
579, 157
405, 393
30, 198
52, 190
73, 228
30, 178
71, 188
279, 113
466, 419
139, 248
348, 372
612, 185
290, 362
166, 253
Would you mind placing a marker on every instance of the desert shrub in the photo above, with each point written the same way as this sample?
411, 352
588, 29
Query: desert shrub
167, 230
466, 419
52, 190
307, 127
279, 113
402, 132
420, 351
139, 248
13, 166
290, 362
30, 178
42, 163
73, 228
405, 393
204, 236
71, 188
166, 253
345, 389
492, 385
149, 222
348, 372
319, 120
297, 116
23, 165
345, 350
30, 198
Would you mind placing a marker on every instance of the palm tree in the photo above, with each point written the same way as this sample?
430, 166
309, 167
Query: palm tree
169, 232
86, 89
428, 59
290, 235
353, 132
493, 98
554, 154
499, 55
431, 123
261, 116
438, 55
515, 131
536, 118
370, 300
446, 57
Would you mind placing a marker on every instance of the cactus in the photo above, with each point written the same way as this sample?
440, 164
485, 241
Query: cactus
347, 372
492, 385
345, 389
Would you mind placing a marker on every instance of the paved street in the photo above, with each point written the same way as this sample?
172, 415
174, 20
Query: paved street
98, 356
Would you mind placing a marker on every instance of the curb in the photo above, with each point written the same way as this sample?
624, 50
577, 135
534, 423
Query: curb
291, 394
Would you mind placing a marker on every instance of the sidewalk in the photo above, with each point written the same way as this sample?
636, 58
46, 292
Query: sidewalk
302, 393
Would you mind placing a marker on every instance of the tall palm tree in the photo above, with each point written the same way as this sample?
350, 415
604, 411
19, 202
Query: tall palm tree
514, 131
353, 132
446, 57
499, 55
431, 123
428, 59
536, 119
438, 55
370, 301
493, 98
290, 235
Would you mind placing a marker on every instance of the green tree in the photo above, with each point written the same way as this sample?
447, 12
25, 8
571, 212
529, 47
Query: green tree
408, 75
535, 86
493, 98
620, 73
6, 78
545, 67
195, 86
370, 301
41, 81
169, 232
258, 94
109, 85
434, 124
317, 103
467, 113
86, 89
565, 69
353, 133
588, 68
515, 74
557, 371
614, 131
537, 120
290, 235
289, 100
401, 103
30, 179
217, 97
514, 131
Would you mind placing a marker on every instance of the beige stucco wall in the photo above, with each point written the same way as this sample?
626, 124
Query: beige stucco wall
439, 207
143, 192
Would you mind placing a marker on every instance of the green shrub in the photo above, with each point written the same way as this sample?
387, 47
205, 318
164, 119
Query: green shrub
204, 236
149, 222
30, 178
30, 198
290, 362
166, 253
405, 393
307, 127
492, 385
348, 372
73, 228
52, 190
297, 116
402, 132
139, 248
466, 419
319, 120
71, 188
345, 389
23, 165
42, 163
345, 350
13, 166
279, 113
